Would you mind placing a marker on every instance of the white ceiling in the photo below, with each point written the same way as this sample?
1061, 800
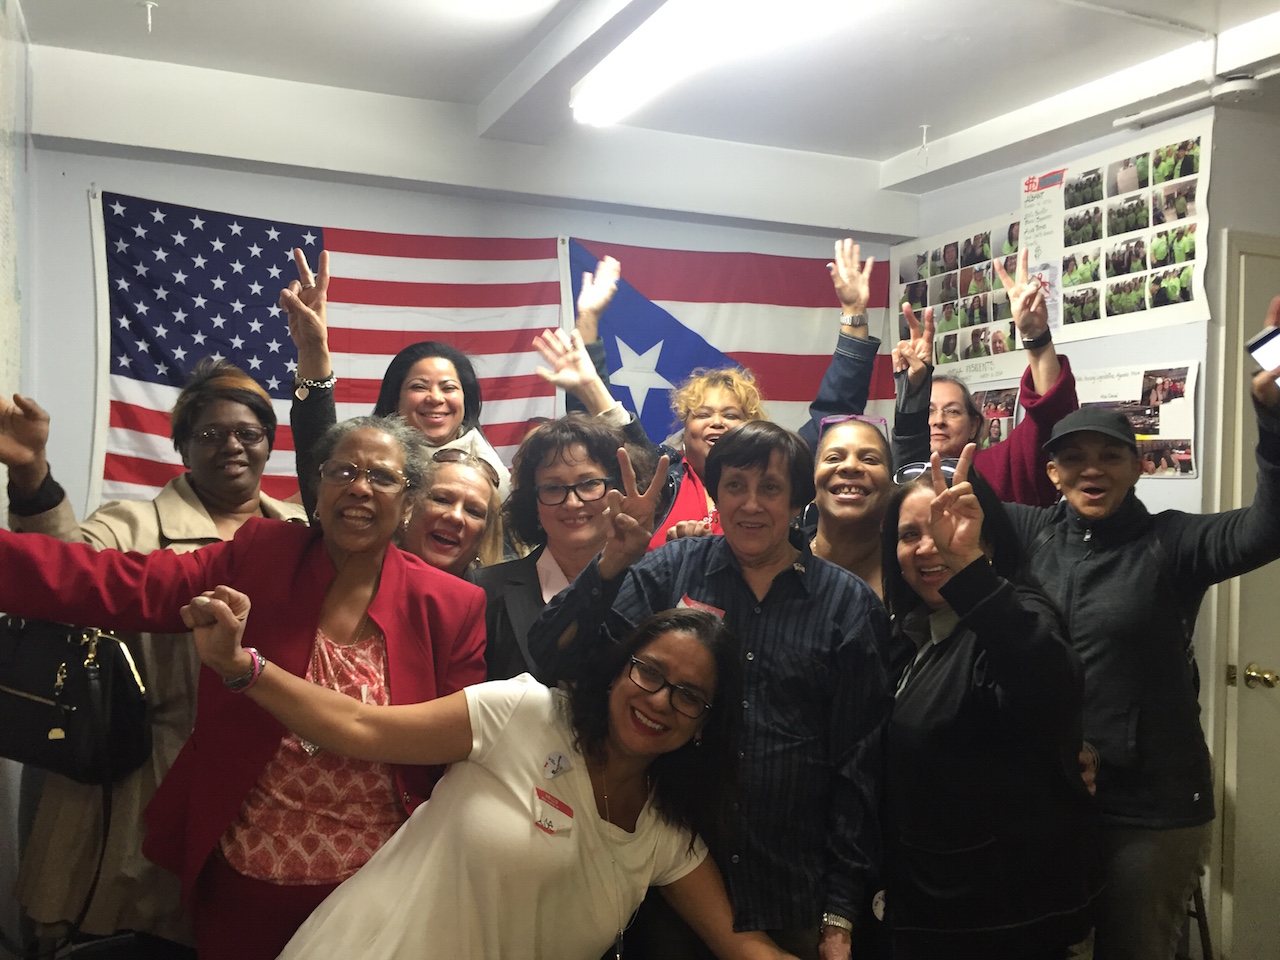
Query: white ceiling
862, 92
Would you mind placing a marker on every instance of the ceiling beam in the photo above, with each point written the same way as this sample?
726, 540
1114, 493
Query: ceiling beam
531, 103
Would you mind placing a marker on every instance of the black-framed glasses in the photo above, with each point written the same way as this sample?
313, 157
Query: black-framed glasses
454, 455
217, 436
383, 480
880, 423
554, 494
913, 471
650, 679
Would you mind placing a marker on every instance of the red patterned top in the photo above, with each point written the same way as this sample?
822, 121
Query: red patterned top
313, 819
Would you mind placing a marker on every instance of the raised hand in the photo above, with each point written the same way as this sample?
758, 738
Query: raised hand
1265, 389
304, 301
596, 295
24, 432
688, 528
955, 516
631, 513
915, 355
1026, 299
216, 619
567, 355
851, 277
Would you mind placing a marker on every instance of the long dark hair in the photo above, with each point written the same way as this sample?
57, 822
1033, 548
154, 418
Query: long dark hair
694, 785
998, 535
402, 363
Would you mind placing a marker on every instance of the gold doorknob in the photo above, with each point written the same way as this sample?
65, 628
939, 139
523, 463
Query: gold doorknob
1254, 675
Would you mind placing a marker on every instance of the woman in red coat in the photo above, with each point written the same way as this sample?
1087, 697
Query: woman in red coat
259, 825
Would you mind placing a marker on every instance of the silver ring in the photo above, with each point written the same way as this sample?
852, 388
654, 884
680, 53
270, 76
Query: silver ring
307, 286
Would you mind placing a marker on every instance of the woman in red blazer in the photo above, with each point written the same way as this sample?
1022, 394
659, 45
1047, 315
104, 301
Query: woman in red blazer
259, 825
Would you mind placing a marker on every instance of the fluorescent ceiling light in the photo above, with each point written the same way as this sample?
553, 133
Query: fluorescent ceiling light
686, 37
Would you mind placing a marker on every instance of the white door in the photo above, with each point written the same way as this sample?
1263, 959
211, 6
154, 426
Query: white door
1250, 815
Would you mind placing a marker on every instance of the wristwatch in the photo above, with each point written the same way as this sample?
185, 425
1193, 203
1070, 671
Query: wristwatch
835, 920
856, 320
1043, 340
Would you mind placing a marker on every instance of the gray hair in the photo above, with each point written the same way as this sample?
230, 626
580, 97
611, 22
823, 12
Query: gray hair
411, 443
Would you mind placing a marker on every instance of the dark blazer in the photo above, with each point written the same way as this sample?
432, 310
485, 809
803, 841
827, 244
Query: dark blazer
514, 603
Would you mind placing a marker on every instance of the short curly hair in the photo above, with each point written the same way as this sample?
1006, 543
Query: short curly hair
410, 440
213, 380
737, 380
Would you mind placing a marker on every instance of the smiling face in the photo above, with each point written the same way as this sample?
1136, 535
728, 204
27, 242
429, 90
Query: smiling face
228, 473
719, 412
755, 510
950, 426
1094, 472
431, 400
643, 724
918, 558
449, 519
572, 525
355, 517
852, 473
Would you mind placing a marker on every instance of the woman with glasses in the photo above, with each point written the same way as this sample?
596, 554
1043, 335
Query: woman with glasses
991, 842
257, 823
561, 473
223, 426
558, 810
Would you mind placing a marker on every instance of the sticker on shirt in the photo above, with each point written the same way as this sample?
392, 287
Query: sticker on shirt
551, 814
556, 764
877, 905
688, 603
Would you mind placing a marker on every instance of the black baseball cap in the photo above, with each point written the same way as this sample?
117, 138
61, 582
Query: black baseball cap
1109, 423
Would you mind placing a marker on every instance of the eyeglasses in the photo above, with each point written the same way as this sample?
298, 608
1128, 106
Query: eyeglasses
454, 455
554, 494
341, 472
880, 423
913, 471
683, 700
217, 436
949, 412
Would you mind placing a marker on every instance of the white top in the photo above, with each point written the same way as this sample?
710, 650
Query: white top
508, 859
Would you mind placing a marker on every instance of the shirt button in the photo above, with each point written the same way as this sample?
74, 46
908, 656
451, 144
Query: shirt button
742, 754
734, 858
750, 655
745, 704
757, 609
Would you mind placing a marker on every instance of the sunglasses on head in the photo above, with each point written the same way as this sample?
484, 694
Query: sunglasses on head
880, 423
454, 455
914, 471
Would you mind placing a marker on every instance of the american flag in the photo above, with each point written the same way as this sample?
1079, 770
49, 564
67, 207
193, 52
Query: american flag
185, 283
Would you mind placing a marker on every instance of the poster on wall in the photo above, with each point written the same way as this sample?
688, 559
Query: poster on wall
1159, 402
1121, 230
954, 274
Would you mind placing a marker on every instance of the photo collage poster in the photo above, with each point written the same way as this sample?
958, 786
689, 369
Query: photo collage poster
1126, 234
954, 274
1159, 403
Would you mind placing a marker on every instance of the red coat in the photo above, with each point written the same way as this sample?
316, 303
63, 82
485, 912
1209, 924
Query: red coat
433, 624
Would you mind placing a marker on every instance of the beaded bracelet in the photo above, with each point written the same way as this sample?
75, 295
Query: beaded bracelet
247, 679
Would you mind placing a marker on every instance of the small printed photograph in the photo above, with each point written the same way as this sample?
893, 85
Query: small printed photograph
973, 311
1145, 421
1004, 337
975, 249
1126, 296
1127, 214
996, 404
1127, 257
1167, 287
1082, 227
1010, 267
1001, 308
975, 280
1177, 201
951, 256
975, 344
935, 262
1161, 386
947, 348
1176, 161
1081, 306
1128, 175
946, 318
993, 431
1083, 188
1081, 266
1007, 239
913, 267
1166, 458
942, 289
916, 294
1169, 247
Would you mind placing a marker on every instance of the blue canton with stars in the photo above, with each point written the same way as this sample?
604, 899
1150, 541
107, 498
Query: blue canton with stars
188, 284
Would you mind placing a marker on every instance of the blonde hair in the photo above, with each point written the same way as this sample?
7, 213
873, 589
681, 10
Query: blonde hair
490, 549
737, 380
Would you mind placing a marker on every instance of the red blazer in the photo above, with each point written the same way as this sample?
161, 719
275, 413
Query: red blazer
433, 624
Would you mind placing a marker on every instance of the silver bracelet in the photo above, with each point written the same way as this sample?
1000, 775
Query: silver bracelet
302, 386
853, 320
835, 920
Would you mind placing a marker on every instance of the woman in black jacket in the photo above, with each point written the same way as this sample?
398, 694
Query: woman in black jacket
990, 839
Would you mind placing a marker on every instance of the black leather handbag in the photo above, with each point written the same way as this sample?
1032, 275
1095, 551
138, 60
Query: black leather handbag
72, 701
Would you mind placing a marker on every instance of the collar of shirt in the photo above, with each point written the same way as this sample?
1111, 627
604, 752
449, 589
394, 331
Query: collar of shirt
722, 557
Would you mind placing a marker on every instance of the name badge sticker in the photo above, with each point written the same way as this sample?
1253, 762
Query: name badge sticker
551, 815
556, 764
